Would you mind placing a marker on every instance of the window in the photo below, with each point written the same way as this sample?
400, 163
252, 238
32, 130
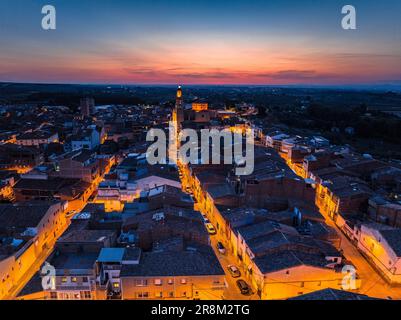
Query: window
64, 280
85, 279
183, 281
170, 281
74, 279
171, 294
116, 285
141, 283
86, 295
143, 295
53, 295
158, 282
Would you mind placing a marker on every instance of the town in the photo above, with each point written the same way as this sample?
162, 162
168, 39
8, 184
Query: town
79, 198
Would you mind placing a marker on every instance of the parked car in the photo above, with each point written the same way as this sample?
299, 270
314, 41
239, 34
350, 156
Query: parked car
243, 287
234, 271
221, 248
210, 229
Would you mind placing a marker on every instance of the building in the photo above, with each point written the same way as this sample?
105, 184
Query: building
330, 294
158, 225
74, 261
384, 211
37, 138
75, 277
200, 106
19, 158
132, 177
192, 273
381, 245
27, 230
341, 195
87, 106
109, 265
46, 189
89, 138
287, 274
79, 164
7, 182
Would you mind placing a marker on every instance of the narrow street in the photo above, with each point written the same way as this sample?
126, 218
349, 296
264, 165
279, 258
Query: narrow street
372, 284
33, 269
232, 292
75, 205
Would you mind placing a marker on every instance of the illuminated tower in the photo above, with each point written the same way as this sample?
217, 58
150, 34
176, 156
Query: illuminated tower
179, 110
175, 126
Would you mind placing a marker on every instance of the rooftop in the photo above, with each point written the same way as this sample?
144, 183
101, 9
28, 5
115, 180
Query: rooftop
84, 261
393, 238
175, 263
23, 215
332, 294
277, 261
113, 255
86, 236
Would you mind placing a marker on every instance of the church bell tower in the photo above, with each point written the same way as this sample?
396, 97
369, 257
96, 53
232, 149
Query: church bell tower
179, 108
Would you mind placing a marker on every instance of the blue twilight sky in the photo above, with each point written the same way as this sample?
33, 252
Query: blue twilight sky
213, 42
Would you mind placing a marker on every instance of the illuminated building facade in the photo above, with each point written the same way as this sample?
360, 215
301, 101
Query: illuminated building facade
200, 106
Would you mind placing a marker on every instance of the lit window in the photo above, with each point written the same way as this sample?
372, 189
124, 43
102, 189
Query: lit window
74, 279
183, 281
143, 294
64, 280
158, 282
116, 285
141, 283
170, 281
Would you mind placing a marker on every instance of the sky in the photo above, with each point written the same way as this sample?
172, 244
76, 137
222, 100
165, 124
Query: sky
261, 42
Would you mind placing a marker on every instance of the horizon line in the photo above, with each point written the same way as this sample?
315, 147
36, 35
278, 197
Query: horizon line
303, 85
